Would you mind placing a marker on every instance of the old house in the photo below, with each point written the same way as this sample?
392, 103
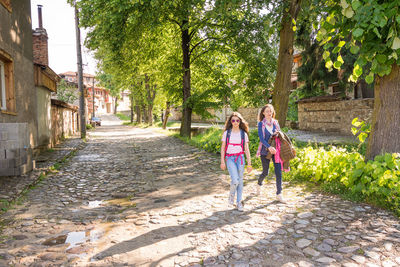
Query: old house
103, 102
29, 119
18, 113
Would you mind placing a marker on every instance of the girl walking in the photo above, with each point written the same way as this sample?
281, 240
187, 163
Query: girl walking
235, 143
267, 127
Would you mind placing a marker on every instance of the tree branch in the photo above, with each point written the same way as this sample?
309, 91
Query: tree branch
196, 45
202, 53
175, 21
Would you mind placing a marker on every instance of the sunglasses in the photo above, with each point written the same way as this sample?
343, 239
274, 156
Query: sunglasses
235, 120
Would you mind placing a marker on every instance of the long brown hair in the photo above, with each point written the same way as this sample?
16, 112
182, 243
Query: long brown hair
242, 125
261, 115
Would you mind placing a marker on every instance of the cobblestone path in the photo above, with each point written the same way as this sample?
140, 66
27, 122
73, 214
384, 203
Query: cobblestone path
134, 197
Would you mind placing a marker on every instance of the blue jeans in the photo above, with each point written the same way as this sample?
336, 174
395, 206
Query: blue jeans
236, 170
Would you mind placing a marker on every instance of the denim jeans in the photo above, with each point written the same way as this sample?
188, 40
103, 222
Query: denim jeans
278, 173
236, 170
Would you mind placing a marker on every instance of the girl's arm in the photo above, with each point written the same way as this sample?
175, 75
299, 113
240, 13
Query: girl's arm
261, 136
223, 155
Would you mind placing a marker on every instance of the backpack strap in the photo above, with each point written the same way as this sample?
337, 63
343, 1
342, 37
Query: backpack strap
242, 138
228, 136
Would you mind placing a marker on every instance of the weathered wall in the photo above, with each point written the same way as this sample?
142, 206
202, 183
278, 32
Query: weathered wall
333, 116
44, 117
64, 121
18, 128
16, 40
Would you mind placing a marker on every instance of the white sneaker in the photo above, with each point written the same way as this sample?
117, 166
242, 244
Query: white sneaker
240, 206
258, 190
280, 198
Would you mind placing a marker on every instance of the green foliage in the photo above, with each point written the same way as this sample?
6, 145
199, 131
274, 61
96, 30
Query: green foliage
292, 114
89, 126
370, 29
67, 92
361, 129
346, 173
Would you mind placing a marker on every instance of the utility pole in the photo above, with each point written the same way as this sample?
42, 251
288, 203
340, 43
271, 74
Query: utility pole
93, 114
80, 76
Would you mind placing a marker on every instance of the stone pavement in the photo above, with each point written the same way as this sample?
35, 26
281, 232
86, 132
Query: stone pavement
12, 187
135, 197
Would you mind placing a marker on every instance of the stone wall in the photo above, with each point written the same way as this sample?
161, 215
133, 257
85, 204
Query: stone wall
333, 115
220, 116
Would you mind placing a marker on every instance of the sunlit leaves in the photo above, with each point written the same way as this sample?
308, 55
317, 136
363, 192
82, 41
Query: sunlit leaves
355, 4
374, 28
370, 78
396, 43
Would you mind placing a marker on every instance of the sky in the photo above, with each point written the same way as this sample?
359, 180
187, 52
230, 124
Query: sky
59, 21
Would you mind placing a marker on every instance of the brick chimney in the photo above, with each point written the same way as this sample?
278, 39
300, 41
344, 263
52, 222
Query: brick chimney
40, 47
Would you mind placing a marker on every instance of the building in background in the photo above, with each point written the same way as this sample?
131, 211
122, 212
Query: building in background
103, 103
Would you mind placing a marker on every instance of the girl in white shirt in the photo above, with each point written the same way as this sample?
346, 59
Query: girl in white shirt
235, 143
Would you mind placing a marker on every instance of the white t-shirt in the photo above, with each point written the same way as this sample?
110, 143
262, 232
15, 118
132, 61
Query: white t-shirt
234, 139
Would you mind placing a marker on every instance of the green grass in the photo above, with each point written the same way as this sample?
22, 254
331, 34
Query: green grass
123, 117
169, 124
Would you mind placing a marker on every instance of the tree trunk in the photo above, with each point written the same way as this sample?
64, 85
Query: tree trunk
138, 114
167, 110
283, 84
385, 124
116, 105
186, 107
131, 108
144, 114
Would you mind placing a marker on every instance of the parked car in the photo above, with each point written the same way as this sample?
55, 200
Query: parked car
96, 121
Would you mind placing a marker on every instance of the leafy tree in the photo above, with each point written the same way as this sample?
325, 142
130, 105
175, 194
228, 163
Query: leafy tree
370, 28
67, 92
289, 11
312, 71
197, 28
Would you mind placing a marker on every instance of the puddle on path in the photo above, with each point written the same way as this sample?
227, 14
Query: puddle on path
95, 204
74, 239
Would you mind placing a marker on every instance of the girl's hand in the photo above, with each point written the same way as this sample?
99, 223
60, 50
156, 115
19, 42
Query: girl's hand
272, 150
223, 167
249, 169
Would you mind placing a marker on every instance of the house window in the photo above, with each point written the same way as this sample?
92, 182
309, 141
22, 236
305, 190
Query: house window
7, 91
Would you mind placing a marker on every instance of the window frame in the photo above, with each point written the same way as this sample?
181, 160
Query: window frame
3, 102
6, 4
7, 88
